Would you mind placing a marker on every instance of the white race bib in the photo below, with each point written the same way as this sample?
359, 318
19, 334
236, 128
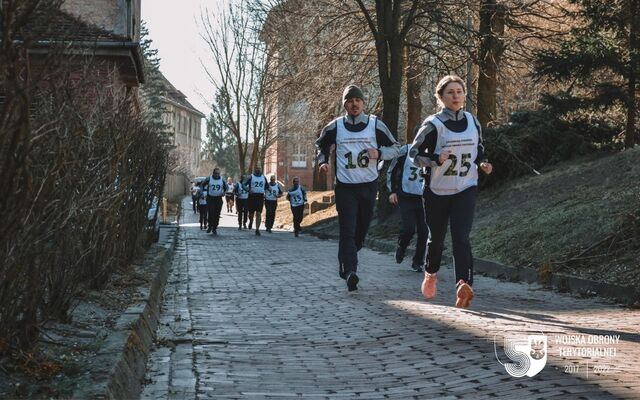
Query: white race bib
460, 171
353, 164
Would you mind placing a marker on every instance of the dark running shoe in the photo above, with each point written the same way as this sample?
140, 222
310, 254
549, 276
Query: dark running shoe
416, 267
352, 281
257, 232
400, 254
239, 228
215, 232
208, 230
296, 233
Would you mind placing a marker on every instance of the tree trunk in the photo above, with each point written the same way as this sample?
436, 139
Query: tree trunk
389, 38
634, 47
491, 48
241, 158
414, 86
390, 46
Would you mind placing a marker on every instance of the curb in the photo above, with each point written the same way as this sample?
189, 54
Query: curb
125, 350
626, 295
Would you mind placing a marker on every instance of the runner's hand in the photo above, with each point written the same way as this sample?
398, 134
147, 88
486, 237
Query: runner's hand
324, 168
393, 199
444, 156
373, 154
486, 167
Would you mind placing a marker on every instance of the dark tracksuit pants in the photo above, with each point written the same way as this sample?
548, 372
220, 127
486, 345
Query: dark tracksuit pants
243, 213
215, 207
204, 214
298, 214
413, 219
194, 200
457, 210
270, 206
354, 203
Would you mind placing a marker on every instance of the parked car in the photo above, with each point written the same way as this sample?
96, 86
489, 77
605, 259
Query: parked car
153, 220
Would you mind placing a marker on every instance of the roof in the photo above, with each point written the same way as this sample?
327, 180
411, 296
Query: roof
56, 25
48, 25
177, 97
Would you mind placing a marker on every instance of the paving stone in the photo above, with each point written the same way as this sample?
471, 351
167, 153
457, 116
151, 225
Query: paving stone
267, 317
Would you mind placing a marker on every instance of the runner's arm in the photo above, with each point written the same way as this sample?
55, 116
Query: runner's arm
422, 151
388, 146
325, 140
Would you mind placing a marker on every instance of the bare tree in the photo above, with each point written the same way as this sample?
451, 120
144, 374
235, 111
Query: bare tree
238, 73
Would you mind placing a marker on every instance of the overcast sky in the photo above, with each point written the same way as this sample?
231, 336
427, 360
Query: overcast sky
173, 27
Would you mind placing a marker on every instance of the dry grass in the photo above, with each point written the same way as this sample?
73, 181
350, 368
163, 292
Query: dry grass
284, 219
577, 217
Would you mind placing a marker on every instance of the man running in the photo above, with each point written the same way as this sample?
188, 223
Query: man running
405, 182
242, 195
297, 197
272, 194
203, 208
195, 195
217, 188
359, 140
257, 184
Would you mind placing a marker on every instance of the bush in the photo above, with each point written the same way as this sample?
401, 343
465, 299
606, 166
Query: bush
80, 167
534, 139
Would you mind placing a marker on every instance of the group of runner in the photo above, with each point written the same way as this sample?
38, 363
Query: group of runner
433, 181
250, 195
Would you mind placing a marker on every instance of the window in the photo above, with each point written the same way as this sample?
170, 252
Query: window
299, 156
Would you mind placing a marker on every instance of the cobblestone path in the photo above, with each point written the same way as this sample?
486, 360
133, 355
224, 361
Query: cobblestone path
268, 317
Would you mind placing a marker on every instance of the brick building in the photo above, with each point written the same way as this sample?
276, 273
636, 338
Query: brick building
292, 152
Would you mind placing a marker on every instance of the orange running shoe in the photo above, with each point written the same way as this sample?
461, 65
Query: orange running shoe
429, 285
464, 294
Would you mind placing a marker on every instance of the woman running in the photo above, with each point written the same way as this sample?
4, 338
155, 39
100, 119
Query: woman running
450, 142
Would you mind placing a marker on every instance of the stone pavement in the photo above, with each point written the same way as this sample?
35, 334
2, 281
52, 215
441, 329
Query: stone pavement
268, 317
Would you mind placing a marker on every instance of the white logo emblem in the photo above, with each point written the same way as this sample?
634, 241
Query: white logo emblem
527, 353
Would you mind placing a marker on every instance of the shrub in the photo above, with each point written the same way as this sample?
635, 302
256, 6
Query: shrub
534, 139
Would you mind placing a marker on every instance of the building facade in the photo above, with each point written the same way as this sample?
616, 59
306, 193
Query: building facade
292, 153
185, 124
